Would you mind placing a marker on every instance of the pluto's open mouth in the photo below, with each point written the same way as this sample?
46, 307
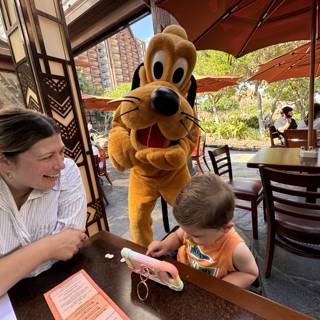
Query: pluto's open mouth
152, 137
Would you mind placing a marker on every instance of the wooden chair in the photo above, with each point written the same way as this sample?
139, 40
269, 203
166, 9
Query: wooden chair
275, 138
200, 152
101, 163
293, 223
296, 138
244, 190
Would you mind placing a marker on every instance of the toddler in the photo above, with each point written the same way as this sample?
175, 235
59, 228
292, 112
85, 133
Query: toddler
206, 238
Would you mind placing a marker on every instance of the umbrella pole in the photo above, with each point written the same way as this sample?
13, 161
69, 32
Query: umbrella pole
314, 28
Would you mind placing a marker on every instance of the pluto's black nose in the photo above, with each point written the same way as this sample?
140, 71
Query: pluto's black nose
165, 101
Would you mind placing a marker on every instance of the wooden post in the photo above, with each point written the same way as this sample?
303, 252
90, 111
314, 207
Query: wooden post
314, 28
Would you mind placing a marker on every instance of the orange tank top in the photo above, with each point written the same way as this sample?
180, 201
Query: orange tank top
216, 259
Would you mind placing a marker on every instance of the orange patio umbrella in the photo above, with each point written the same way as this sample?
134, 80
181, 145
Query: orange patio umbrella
242, 26
99, 103
208, 84
293, 64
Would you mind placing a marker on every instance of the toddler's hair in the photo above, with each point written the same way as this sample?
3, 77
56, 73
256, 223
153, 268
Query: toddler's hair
206, 201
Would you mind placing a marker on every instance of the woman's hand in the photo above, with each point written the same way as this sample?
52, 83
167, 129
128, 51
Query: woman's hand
65, 244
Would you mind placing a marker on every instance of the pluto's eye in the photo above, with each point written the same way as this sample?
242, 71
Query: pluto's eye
158, 63
180, 69
157, 70
177, 75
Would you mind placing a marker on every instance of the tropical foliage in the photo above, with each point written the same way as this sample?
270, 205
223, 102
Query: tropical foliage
247, 110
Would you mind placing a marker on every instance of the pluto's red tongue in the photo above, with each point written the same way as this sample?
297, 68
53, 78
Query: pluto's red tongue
151, 137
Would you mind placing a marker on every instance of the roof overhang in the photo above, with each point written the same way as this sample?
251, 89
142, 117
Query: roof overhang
88, 27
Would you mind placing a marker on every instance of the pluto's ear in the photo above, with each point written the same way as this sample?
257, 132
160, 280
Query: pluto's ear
136, 79
192, 91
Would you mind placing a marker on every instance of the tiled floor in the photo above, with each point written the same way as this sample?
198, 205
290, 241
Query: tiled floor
295, 281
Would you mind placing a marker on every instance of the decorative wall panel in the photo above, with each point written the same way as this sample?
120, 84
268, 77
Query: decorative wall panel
47, 76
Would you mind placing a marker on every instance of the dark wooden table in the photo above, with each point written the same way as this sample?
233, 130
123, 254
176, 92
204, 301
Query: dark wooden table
284, 159
202, 298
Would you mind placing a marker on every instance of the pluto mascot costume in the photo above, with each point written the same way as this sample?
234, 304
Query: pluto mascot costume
155, 128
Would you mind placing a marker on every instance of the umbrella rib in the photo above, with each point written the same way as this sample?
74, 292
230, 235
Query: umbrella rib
265, 15
224, 16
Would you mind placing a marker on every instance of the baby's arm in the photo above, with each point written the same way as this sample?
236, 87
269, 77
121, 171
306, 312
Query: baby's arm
172, 242
247, 269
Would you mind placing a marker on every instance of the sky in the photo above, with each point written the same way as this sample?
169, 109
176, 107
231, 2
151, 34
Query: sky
143, 29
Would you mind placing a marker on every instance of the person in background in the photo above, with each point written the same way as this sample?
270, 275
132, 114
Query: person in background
206, 239
303, 124
94, 146
316, 122
42, 199
286, 121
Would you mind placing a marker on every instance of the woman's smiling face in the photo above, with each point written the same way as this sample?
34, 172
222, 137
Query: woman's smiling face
40, 166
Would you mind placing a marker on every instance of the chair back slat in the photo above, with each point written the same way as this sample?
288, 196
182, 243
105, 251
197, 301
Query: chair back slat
296, 138
293, 212
223, 172
221, 162
221, 159
302, 203
294, 192
223, 165
288, 193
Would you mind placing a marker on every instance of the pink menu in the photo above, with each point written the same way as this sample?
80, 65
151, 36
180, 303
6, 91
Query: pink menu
79, 297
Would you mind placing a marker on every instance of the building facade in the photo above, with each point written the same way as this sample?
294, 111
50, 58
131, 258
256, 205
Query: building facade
112, 61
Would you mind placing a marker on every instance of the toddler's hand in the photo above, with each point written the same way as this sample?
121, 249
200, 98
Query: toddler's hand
65, 244
156, 249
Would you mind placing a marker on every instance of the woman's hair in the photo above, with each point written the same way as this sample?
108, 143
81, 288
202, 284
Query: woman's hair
21, 128
206, 201
285, 110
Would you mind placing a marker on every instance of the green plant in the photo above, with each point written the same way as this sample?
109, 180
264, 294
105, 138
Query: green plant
227, 103
251, 122
226, 130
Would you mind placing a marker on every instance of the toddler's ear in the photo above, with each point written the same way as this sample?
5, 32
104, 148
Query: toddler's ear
227, 227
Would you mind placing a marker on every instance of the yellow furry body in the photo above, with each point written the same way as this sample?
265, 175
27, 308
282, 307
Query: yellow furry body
149, 138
